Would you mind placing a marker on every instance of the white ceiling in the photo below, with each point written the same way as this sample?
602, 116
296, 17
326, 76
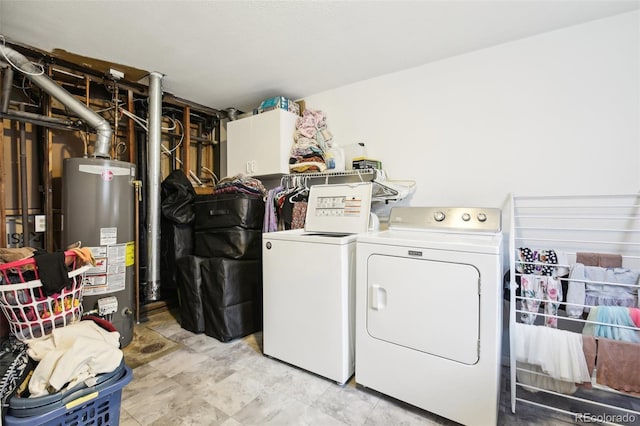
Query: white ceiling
237, 53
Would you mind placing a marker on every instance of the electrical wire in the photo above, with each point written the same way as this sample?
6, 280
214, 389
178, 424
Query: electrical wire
215, 177
169, 152
181, 133
143, 123
41, 72
191, 173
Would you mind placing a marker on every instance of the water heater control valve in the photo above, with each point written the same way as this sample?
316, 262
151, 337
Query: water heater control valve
107, 305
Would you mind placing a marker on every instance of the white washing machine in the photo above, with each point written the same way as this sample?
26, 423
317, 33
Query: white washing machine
429, 311
309, 283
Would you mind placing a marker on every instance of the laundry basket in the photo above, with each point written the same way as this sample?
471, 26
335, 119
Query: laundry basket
97, 405
30, 312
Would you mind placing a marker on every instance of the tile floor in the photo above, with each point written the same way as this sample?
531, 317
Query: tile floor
206, 382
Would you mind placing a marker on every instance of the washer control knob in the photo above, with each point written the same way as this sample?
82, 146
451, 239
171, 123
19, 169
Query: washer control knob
439, 216
482, 217
466, 217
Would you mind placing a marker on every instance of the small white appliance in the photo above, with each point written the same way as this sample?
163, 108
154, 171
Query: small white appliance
309, 283
429, 311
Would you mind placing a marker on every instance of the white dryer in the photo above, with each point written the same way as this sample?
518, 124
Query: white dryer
429, 311
309, 283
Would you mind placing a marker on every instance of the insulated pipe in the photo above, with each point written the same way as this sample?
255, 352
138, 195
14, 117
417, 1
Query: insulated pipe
41, 120
152, 288
6, 89
103, 130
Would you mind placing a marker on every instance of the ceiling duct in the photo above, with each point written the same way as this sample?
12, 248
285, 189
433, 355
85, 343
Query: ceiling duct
102, 146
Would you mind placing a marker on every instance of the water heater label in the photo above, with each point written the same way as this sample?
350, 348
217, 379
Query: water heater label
109, 274
131, 254
108, 236
100, 170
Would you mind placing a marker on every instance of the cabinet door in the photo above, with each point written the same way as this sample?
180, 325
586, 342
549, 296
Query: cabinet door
239, 146
260, 144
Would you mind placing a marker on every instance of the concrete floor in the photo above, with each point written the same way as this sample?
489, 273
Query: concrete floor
197, 380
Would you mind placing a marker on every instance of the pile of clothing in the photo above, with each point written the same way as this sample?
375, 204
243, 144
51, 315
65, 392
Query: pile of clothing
312, 140
73, 354
240, 184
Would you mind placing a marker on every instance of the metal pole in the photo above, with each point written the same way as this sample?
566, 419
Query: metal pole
24, 190
152, 288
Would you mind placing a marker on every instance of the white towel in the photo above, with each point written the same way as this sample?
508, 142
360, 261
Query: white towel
65, 336
71, 355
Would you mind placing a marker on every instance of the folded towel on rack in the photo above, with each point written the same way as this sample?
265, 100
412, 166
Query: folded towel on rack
611, 322
589, 348
606, 260
587, 259
618, 366
603, 260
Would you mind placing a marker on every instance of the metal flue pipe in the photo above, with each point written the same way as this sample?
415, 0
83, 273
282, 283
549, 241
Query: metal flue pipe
6, 89
152, 289
102, 146
24, 190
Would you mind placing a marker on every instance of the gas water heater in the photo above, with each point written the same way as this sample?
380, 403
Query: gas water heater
98, 199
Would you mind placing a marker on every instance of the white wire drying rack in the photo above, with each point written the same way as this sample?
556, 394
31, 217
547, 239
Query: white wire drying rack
383, 189
571, 224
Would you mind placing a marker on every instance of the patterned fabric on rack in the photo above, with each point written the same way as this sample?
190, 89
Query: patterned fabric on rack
539, 262
544, 288
537, 282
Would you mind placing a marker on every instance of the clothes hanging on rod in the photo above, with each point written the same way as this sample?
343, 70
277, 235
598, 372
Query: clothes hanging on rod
286, 205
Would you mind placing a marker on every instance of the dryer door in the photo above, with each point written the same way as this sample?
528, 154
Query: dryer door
426, 305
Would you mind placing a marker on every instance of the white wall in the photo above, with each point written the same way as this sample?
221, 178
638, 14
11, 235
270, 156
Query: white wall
556, 113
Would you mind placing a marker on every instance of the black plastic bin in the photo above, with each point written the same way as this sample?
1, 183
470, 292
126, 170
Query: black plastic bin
228, 211
189, 278
232, 297
233, 243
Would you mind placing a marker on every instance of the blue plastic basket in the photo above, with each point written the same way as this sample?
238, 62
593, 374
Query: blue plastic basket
96, 405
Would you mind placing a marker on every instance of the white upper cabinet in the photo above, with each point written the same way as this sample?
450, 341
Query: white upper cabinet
260, 145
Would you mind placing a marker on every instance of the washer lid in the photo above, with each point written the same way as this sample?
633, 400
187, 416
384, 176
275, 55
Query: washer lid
339, 208
300, 235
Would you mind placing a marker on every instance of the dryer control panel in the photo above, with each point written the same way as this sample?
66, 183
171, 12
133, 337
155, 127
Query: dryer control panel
462, 219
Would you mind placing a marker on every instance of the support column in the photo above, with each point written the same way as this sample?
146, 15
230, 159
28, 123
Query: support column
152, 289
